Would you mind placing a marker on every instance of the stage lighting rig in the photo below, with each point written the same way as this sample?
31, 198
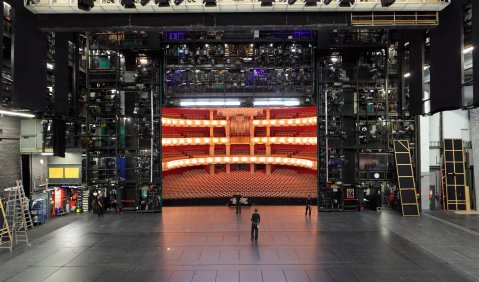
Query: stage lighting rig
209, 3
163, 3
346, 3
267, 3
85, 5
387, 3
128, 4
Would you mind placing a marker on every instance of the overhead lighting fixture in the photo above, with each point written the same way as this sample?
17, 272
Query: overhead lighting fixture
209, 3
468, 50
128, 4
49, 66
326, 2
178, 2
85, 5
162, 3
310, 3
209, 103
387, 3
267, 3
47, 154
16, 114
408, 74
346, 3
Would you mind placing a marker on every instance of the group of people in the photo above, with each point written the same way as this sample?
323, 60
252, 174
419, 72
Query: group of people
256, 218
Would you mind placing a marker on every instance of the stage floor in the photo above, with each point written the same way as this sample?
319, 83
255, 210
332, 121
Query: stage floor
213, 244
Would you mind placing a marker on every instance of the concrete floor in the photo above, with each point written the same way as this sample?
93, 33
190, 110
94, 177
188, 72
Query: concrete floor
213, 244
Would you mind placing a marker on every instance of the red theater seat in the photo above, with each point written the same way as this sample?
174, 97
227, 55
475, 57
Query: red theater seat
282, 183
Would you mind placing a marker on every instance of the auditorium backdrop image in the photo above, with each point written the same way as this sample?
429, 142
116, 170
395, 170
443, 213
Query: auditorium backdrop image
260, 153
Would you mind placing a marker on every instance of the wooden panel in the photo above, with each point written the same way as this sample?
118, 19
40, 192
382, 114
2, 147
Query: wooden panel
455, 177
405, 175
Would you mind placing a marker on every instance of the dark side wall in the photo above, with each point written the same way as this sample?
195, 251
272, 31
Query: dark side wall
10, 160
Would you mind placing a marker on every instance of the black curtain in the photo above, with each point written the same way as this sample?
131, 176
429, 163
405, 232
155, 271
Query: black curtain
446, 59
61, 73
416, 69
29, 61
475, 54
59, 137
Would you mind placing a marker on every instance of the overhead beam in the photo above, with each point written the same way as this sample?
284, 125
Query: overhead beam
153, 22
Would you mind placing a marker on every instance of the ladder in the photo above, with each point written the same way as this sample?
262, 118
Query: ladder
18, 213
405, 175
6, 241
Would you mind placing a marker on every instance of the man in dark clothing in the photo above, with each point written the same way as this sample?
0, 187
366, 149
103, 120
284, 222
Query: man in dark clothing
309, 202
238, 202
100, 204
255, 220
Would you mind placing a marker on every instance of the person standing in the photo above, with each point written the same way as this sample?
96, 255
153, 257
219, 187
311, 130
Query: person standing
238, 197
255, 220
309, 202
100, 204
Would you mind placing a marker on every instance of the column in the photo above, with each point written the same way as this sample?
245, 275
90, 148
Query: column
425, 164
474, 124
268, 144
251, 142
212, 144
228, 143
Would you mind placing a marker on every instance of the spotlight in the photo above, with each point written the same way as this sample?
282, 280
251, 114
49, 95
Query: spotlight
291, 2
310, 3
144, 2
387, 3
128, 4
178, 2
326, 2
209, 3
85, 5
346, 3
162, 3
267, 3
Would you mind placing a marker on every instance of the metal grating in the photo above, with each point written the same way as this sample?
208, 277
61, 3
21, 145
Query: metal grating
395, 19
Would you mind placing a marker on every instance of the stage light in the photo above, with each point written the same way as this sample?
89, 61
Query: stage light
209, 3
468, 50
128, 4
162, 3
291, 2
178, 2
310, 3
267, 3
346, 3
326, 2
387, 3
144, 2
85, 5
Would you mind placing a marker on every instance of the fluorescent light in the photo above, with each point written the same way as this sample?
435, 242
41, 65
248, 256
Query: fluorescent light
209, 103
468, 50
49, 66
407, 74
47, 154
426, 67
277, 102
17, 114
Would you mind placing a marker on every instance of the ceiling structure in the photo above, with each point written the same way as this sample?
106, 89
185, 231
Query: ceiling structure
231, 6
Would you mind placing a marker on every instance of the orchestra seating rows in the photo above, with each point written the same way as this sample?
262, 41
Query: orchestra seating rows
282, 183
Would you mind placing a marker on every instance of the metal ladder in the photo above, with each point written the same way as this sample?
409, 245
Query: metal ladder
6, 240
18, 213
